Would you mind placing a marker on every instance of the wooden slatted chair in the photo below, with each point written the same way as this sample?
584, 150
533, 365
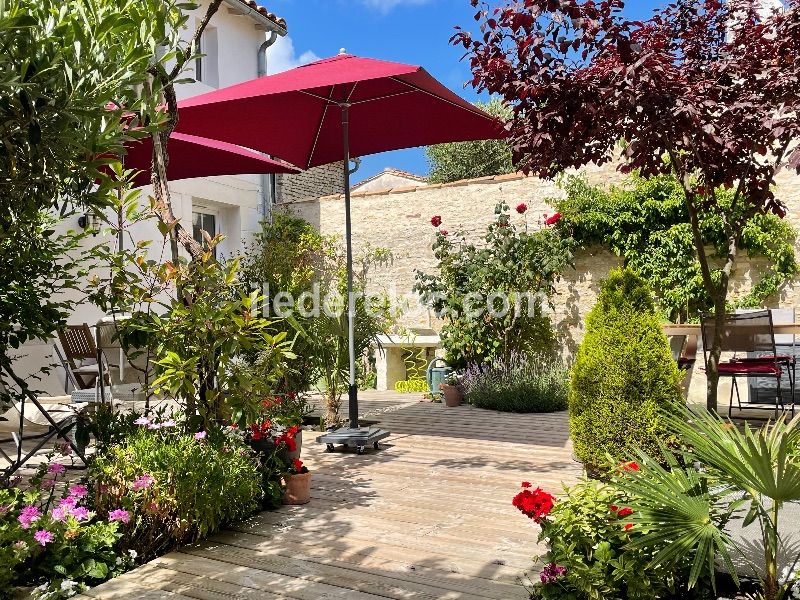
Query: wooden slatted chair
81, 355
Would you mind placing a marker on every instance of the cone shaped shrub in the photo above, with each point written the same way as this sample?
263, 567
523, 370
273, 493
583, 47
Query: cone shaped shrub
624, 374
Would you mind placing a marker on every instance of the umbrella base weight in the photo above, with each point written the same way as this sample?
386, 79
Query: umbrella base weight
360, 438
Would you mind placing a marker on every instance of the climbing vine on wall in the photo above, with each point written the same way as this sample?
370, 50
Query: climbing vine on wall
645, 222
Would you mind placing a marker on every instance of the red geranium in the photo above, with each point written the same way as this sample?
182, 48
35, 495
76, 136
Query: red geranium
630, 466
522, 208
436, 220
297, 464
628, 526
535, 504
443, 231
624, 512
526, 484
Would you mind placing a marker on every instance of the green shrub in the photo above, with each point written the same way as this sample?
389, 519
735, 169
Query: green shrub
175, 488
591, 554
519, 384
624, 374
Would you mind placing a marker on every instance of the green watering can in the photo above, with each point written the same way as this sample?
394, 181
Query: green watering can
437, 375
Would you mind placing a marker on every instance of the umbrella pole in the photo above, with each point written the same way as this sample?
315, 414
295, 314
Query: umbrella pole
352, 390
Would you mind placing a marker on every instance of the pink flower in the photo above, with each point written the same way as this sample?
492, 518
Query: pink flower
68, 502
48, 484
43, 536
29, 515
153, 426
56, 468
81, 513
200, 435
79, 491
443, 231
143, 482
59, 513
169, 423
142, 421
119, 515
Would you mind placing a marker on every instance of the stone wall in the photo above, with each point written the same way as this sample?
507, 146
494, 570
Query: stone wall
399, 219
316, 182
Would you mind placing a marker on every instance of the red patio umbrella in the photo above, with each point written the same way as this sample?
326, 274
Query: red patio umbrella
328, 111
193, 156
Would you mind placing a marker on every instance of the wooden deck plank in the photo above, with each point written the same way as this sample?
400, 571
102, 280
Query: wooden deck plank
428, 516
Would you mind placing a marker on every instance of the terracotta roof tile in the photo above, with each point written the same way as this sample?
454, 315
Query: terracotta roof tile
271, 16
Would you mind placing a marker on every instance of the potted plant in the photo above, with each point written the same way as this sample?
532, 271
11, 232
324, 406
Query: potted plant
298, 484
451, 391
288, 412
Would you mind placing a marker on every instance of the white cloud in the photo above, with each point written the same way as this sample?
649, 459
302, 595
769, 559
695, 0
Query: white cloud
282, 56
384, 6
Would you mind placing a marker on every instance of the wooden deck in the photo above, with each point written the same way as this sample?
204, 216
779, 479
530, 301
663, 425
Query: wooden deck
427, 516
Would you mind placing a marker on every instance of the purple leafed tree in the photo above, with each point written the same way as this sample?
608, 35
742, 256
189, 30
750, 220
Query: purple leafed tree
708, 91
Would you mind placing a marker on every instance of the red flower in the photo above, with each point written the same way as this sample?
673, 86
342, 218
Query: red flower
535, 504
552, 219
443, 231
526, 484
624, 512
298, 465
628, 526
630, 466
614, 508
521, 208
436, 220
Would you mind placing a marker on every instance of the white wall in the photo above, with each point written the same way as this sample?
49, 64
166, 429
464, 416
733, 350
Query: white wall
236, 199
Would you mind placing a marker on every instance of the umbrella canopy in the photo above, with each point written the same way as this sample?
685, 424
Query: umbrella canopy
294, 115
193, 156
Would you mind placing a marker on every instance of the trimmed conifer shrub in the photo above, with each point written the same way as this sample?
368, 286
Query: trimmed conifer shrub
623, 376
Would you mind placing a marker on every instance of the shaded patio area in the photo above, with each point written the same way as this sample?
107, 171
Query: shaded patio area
427, 516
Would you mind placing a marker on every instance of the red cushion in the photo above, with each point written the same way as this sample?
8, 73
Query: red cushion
748, 368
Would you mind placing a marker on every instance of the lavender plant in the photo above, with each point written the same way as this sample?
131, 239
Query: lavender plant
520, 383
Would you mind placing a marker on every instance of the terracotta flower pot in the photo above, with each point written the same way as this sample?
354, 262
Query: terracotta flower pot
298, 489
451, 395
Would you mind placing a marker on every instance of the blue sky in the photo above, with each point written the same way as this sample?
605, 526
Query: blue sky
410, 31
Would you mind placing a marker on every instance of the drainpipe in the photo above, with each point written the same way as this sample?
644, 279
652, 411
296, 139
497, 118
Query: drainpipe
267, 180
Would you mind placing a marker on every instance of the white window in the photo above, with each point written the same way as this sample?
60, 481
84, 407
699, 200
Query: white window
204, 220
206, 66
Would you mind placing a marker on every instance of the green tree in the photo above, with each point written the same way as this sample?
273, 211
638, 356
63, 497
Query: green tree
623, 376
645, 221
467, 160
296, 262
70, 77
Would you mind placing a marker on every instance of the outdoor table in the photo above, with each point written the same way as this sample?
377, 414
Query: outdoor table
694, 328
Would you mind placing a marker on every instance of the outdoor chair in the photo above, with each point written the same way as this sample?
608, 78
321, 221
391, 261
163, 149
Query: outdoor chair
80, 360
41, 419
785, 348
751, 337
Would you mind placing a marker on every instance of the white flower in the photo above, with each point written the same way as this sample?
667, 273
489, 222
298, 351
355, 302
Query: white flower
68, 584
119, 560
133, 554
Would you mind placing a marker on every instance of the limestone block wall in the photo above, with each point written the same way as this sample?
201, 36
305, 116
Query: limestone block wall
319, 181
399, 219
